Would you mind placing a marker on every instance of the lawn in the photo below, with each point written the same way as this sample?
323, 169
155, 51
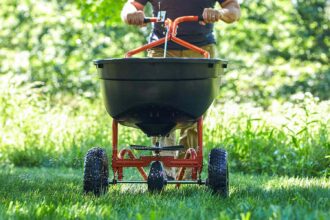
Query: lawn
56, 193
272, 114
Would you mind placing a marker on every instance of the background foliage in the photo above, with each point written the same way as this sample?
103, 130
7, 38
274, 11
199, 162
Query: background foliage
272, 113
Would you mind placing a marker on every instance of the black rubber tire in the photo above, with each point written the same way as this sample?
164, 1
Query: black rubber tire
156, 178
96, 171
218, 175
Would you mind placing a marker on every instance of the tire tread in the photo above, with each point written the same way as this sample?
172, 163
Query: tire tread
96, 171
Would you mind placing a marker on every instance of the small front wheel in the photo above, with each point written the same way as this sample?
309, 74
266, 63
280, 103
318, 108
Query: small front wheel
96, 171
156, 178
218, 176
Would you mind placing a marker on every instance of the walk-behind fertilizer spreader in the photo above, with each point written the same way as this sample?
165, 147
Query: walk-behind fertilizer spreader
157, 95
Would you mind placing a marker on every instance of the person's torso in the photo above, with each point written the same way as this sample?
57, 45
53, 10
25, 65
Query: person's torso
192, 32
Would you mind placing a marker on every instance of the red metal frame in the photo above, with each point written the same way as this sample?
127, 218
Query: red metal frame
193, 158
172, 27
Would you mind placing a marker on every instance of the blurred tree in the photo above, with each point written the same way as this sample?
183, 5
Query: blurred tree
278, 48
48, 41
314, 17
101, 10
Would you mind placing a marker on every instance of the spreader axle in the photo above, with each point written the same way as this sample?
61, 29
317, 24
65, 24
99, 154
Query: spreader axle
197, 182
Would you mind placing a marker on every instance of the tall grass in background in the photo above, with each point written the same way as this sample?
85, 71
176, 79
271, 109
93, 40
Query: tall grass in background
290, 138
286, 138
39, 130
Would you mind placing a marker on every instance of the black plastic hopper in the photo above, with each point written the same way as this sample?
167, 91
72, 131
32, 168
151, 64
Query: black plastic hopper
158, 94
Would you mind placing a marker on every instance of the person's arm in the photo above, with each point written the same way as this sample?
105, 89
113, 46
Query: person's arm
229, 13
132, 13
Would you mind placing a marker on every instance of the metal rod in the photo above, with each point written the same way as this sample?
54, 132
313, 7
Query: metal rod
198, 182
122, 154
186, 182
200, 145
166, 39
145, 47
114, 148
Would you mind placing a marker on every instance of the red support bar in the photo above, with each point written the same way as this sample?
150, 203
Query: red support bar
120, 173
194, 173
145, 47
114, 146
200, 143
118, 161
131, 156
179, 20
168, 161
190, 153
191, 46
172, 31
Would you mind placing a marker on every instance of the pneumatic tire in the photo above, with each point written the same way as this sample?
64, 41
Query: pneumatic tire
96, 171
218, 175
156, 178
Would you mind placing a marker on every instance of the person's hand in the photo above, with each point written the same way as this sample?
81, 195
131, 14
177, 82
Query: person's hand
135, 18
211, 15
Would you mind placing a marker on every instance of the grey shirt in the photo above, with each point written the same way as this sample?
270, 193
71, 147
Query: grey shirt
192, 32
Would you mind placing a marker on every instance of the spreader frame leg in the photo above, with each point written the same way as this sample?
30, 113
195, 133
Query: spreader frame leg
193, 158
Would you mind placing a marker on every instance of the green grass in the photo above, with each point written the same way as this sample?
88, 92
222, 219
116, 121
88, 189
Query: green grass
39, 193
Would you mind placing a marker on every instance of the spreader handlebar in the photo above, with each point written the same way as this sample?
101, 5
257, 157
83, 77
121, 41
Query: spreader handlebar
150, 20
171, 27
200, 18
181, 19
188, 19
